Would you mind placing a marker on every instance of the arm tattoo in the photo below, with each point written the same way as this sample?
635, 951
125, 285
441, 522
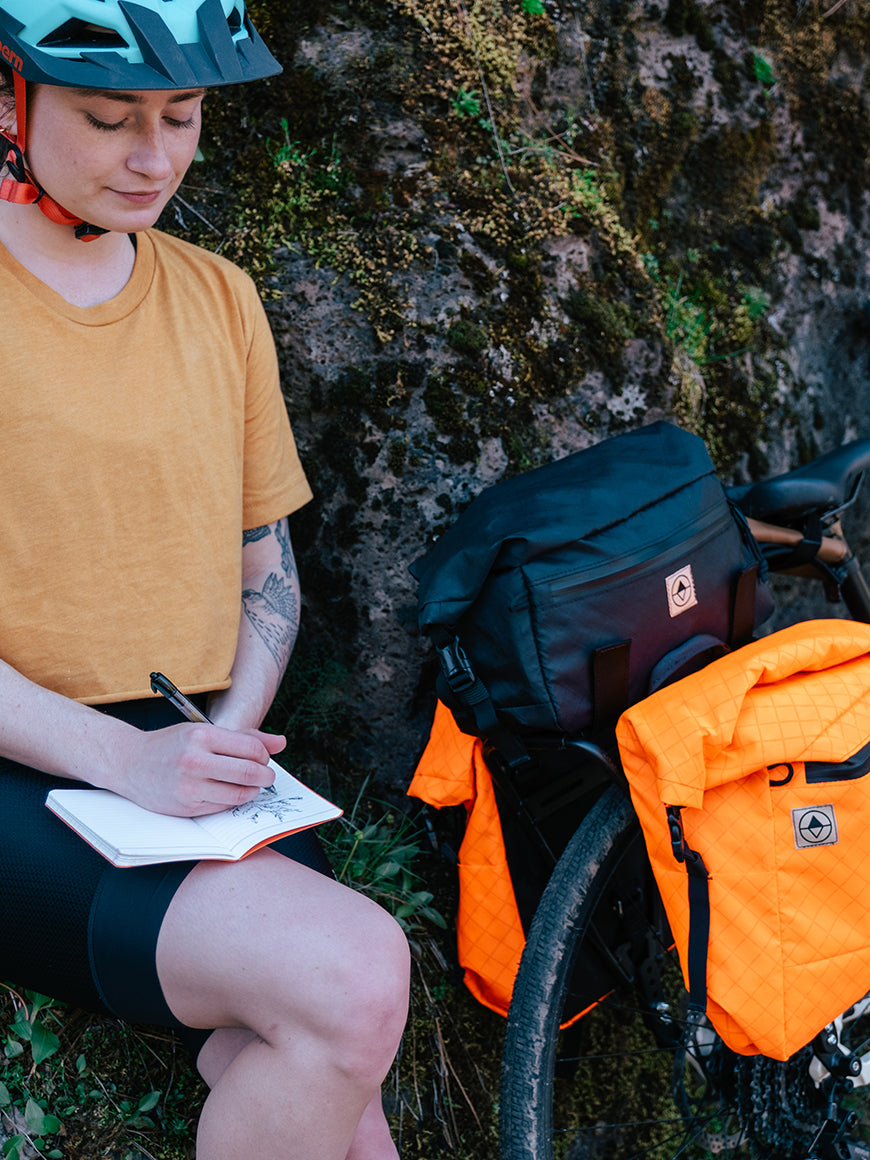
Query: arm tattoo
252, 534
274, 613
282, 531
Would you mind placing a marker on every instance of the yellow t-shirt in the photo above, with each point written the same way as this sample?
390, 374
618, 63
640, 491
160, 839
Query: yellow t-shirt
138, 439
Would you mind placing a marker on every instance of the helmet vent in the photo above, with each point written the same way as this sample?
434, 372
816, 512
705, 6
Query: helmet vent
78, 34
234, 20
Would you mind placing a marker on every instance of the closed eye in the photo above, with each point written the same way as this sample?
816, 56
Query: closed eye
111, 126
105, 126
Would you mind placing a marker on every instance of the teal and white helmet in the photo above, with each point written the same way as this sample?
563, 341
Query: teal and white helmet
133, 44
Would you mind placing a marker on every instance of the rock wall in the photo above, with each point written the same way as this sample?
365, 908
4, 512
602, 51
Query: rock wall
491, 233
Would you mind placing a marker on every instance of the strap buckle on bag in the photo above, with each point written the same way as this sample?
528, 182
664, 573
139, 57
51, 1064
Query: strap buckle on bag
678, 838
455, 666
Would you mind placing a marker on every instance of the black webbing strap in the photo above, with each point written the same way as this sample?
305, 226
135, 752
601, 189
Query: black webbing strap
471, 694
610, 681
699, 929
743, 606
699, 914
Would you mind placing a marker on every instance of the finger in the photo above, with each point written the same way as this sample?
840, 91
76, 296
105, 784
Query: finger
243, 774
221, 796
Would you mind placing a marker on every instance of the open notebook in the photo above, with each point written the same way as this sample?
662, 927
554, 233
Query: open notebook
129, 835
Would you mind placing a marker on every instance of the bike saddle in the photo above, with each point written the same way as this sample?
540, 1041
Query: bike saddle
821, 488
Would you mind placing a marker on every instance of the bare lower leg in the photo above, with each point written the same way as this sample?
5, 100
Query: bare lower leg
371, 1141
262, 1105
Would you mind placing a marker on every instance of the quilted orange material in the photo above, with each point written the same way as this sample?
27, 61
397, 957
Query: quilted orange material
489, 933
753, 748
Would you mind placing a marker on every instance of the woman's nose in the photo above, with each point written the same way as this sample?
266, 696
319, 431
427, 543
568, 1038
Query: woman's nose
151, 157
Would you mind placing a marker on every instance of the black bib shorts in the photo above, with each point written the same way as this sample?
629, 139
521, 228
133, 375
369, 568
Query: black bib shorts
74, 926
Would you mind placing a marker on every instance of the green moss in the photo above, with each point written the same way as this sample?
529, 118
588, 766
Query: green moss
602, 326
467, 337
445, 405
397, 455
311, 702
804, 212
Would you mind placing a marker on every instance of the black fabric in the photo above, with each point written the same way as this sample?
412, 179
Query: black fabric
548, 570
74, 926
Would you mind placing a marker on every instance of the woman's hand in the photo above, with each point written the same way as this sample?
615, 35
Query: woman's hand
190, 770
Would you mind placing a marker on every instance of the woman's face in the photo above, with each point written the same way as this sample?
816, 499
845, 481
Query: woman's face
113, 159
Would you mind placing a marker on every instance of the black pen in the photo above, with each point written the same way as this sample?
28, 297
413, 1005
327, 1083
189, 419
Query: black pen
163, 685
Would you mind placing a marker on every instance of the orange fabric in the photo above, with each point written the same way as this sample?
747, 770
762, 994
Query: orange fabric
490, 937
140, 437
790, 934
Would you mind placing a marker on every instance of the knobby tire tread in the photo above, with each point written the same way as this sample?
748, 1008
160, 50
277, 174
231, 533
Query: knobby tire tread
555, 934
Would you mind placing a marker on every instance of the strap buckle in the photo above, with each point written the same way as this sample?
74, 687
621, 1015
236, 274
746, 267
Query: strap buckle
456, 666
678, 837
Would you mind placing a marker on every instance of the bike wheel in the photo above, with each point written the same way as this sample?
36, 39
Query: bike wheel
613, 1083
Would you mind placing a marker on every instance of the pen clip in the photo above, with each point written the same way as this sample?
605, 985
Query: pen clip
163, 685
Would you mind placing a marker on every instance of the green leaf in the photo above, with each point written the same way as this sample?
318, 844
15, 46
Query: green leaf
39, 1122
21, 1026
13, 1048
12, 1147
149, 1101
762, 69
5, 1098
38, 1001
44, 1043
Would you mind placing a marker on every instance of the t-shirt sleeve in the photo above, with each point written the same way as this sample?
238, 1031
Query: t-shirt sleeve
274, 480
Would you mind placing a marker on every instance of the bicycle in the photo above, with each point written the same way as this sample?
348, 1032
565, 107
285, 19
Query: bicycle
592, 1063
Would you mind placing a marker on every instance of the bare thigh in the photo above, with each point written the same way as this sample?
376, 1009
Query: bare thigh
267, 943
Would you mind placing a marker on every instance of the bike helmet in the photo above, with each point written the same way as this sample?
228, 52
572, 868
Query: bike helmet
120, 44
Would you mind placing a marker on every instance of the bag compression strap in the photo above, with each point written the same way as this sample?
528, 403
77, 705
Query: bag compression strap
699, 917
472, 695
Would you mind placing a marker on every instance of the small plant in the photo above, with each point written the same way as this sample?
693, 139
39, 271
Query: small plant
466, 103
689, 323
375, 856
533, 7
287, 152
762, 70
28, 1030
83, 1087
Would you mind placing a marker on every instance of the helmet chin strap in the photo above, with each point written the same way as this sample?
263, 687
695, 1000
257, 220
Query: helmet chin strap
18, 185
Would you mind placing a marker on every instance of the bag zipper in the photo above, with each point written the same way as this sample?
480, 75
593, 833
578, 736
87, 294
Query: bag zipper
853, 768
638, 561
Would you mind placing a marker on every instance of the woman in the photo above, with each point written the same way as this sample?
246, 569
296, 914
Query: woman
148, 473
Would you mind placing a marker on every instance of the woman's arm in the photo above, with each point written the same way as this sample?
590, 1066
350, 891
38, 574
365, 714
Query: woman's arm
268, 627
185, 769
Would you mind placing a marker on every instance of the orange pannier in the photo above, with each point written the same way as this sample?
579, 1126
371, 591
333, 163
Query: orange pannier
765, 754
489, 931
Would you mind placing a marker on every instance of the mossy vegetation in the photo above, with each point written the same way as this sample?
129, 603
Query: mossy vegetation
648, 173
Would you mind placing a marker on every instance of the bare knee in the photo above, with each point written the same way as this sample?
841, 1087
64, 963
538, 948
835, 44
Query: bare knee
369, 1004
291, 955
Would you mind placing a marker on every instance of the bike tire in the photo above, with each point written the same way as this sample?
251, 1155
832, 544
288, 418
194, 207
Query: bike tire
629, 1091
540, 990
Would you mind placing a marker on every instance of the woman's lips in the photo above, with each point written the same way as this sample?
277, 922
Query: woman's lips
139, 197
